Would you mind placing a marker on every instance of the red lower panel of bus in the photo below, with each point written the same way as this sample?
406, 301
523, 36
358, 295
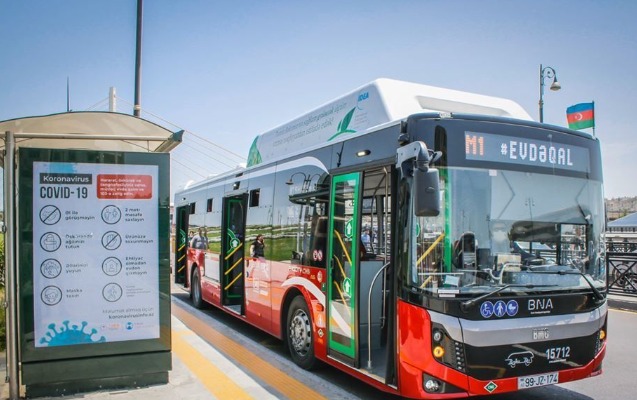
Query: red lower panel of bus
415, 358
266, 285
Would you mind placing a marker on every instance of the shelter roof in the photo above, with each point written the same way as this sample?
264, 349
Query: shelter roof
108, 131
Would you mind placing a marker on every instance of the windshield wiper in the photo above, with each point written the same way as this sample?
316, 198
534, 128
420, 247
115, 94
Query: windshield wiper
562, 272
466, 305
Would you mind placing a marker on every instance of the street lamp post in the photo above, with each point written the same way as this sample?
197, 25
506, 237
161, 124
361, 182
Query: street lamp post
547, 72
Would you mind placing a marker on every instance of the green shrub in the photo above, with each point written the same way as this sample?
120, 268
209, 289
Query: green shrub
3, 332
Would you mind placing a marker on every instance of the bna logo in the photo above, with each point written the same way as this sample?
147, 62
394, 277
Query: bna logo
362, 97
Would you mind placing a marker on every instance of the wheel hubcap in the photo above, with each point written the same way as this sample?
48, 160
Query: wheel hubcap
300, 334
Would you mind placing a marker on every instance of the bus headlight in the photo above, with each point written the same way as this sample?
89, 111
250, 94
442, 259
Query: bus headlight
446, 350
601, 335
432, 386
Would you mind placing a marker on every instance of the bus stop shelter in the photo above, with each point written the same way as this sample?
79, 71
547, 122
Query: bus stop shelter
89, 142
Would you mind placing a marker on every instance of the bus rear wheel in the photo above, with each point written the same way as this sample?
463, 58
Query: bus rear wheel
299, 334
195, 289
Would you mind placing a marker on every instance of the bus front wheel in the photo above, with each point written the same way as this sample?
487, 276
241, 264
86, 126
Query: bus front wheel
299, 334
195, 289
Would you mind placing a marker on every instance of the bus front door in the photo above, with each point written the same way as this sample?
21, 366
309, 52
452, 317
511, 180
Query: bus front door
181, 244
344, 245
232, 251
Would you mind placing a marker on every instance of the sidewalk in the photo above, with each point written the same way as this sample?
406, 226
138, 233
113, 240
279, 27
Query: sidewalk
190, 356
182, 382
234, 368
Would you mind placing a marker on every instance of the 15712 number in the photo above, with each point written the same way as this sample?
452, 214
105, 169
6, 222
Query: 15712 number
555, 354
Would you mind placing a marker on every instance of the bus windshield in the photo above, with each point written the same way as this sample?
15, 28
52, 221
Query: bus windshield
500, 227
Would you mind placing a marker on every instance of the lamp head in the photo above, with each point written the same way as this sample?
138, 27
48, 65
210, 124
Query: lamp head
555, 86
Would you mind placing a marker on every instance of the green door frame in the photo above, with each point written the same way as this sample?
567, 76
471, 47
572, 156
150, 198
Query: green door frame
342, 291
181, 244
233, 251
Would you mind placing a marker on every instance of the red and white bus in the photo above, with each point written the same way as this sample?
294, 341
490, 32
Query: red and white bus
429, 242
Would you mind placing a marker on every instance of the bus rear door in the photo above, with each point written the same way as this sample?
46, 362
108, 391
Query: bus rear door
233, 251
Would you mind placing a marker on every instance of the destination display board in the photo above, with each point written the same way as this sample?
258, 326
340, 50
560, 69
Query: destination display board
526, 151
95, 253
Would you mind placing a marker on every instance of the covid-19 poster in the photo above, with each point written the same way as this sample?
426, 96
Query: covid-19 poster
95, 253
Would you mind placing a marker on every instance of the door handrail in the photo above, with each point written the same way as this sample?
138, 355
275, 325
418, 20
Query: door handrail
369, 317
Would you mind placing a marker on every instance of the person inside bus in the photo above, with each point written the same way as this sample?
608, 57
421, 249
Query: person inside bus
366, 239
257, 249
362, 250
200, 240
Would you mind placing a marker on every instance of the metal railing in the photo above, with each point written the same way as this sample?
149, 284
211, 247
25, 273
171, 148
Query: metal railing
621, 266
622, 273
621, 247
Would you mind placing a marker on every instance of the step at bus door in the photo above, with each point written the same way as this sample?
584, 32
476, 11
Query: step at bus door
342, 290
181, 244
233, 251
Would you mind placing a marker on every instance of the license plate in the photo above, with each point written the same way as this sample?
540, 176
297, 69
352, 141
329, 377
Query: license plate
537, 380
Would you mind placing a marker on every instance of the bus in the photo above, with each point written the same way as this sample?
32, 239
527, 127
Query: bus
430, 242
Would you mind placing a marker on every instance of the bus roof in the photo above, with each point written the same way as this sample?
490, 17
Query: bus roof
376, 103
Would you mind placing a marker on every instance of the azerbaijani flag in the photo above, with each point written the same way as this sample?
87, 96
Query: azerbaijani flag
581, 116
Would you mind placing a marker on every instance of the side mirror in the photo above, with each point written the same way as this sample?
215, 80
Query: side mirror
426, 193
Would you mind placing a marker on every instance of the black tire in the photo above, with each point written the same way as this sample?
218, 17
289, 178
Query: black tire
195, 289
299, 334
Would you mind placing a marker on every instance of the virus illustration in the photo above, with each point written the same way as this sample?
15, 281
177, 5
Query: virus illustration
69, 335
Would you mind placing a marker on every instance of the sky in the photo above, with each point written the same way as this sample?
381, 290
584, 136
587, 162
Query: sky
225, 71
